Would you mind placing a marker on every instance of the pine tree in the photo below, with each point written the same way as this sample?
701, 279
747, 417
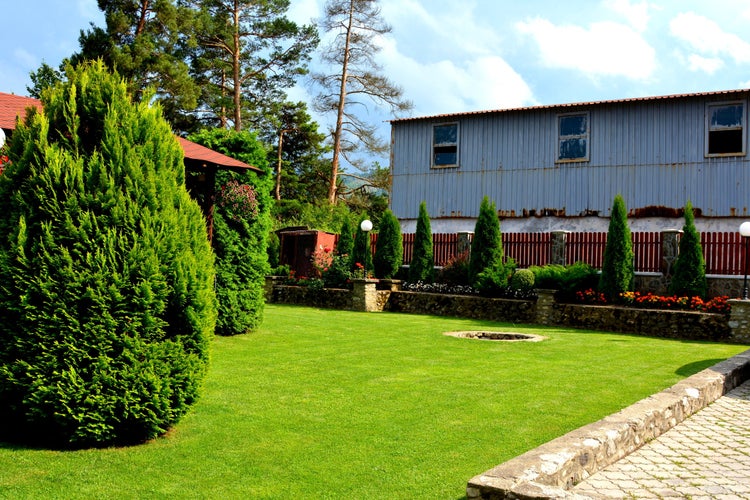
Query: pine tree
361, 251
107, 302
487, 246
422, 266
689, 278
355, 75
618, 267
390, 249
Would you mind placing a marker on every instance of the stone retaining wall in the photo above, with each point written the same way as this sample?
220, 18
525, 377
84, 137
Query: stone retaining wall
551, 469
328, 298
463, 306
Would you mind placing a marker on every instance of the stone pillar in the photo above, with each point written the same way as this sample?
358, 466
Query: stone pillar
463, 242
271, 281
544, 313
364, 295
739, 320
559, 247
670, 249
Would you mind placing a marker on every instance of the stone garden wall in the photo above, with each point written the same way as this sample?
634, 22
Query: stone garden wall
365, 296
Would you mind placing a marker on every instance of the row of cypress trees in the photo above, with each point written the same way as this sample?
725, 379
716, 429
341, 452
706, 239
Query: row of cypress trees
488, 273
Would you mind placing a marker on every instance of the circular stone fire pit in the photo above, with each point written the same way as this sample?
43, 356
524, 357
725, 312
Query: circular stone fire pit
500, 336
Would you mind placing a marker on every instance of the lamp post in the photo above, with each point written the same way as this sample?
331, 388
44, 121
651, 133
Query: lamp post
366, 226
745, 233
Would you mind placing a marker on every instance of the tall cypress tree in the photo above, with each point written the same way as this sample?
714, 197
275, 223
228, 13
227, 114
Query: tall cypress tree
107, 302
346, 239
390, 248
689, 278
618, 267
487, 246
422, 266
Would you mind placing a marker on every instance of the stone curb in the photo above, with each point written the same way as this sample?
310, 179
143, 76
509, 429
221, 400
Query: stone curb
551, 469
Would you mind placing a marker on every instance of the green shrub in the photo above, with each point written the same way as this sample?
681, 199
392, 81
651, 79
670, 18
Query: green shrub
389, 254
567, 280
422, 265
493, 281
487, 246
618, 271
689, 278
107, 302
338, 273
522, 279
274, 250
456, 270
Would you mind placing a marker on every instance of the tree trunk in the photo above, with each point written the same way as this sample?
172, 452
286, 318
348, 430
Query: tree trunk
340, 112
236, 69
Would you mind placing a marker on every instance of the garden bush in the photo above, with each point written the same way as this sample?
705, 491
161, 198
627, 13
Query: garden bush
456, 270
567, 280
618, 268
107, 302
522, 279
689, 274
422, 266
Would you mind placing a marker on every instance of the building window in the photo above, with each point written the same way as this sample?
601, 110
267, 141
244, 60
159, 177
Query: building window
573, 137
725, 129
445, 145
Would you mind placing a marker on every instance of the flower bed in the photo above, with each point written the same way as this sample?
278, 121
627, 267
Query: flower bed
717, 305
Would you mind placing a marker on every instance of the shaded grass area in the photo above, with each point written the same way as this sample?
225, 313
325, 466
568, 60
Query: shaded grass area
333, 404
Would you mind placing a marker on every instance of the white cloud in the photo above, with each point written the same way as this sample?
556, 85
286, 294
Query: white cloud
445, 86
637, 14
304, 11
602, 49
706, 37
705, 64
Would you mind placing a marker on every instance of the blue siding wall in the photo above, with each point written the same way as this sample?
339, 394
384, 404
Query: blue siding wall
651, 151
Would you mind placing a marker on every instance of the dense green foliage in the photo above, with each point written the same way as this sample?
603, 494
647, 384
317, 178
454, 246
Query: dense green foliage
456, 270
106, 303
322, 395
689, 275
422, 267
361, 257
618, 270
389, 252
241, 225
567, 280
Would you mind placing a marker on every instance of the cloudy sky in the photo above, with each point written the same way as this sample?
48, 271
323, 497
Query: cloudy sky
452, 56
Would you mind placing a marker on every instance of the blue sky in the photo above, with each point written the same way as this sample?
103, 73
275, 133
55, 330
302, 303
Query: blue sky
451, 56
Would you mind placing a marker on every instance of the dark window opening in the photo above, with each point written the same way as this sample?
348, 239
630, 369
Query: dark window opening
445, 145
724, 142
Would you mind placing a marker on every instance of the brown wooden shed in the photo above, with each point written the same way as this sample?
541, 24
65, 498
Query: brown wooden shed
298, 244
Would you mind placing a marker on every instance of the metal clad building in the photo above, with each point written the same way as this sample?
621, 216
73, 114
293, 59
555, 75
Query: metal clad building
560, 167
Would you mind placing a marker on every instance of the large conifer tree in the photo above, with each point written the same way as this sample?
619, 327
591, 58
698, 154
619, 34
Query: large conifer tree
106, 295
618, 267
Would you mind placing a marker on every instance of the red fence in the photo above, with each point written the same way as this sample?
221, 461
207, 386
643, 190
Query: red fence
723, 252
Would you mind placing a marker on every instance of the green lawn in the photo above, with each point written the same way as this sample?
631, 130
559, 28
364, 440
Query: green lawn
332, 404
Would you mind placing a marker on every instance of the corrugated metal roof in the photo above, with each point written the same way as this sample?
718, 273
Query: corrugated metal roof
717, 93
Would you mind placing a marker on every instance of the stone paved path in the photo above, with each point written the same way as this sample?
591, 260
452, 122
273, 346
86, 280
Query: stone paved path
705, 457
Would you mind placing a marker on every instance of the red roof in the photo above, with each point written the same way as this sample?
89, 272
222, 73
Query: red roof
12, 106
